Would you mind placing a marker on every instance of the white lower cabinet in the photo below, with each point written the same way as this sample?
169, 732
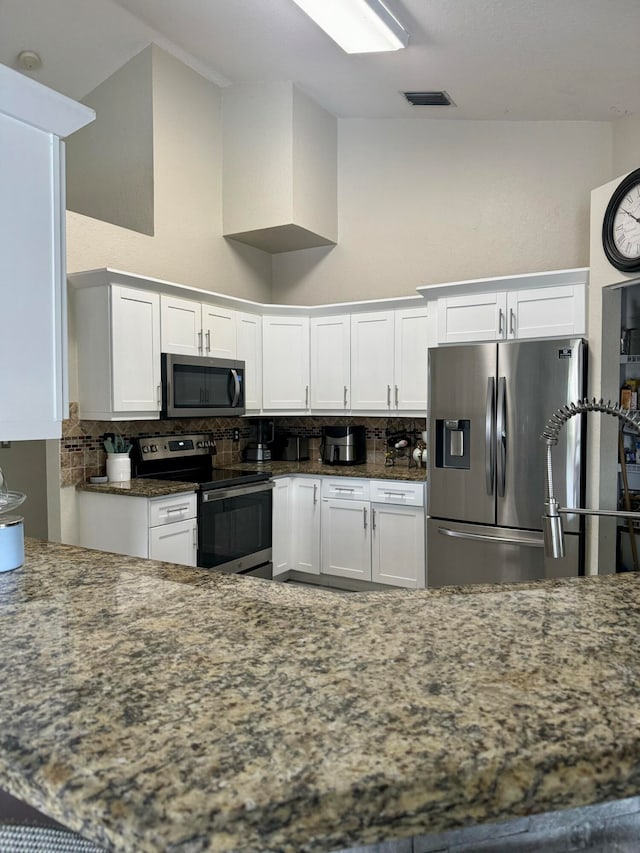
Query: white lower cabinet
305, 527
281, 526
162, 528
374, 531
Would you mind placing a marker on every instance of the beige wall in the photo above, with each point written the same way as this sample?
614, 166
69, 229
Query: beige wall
187, 245
626, 145
421, 202
24, 466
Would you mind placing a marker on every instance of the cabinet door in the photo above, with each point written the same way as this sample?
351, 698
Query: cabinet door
547, 312
346, 539
135, 335
474, 317
305, 527
281, 526
411, 342
181, 326
175, 543
285, 364
330, 362
372, 361
398, 545
249, 349
219, 332
32, 315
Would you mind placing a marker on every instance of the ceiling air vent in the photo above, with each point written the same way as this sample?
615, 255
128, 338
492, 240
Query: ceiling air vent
428, 99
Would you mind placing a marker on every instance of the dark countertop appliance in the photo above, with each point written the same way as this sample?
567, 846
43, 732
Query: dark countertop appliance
261, 437
343, 445
290, 448
234, 505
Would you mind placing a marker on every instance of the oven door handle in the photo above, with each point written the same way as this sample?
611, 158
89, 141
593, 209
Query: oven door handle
235, 492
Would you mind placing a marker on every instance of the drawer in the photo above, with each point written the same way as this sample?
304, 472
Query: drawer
172, 508
347, 488
397, 492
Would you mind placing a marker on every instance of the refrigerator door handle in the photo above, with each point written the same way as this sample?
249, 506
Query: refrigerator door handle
478, 537
490, 436
501, 436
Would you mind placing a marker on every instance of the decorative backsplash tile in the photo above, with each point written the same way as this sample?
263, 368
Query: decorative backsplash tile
82, 453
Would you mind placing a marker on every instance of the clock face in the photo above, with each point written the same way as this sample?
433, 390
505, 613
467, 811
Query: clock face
626, 224
621, 225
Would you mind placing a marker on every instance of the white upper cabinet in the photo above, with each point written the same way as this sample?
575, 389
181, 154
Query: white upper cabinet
372, 354
410, 361
195, 328
249, 350
285, 363
330, 362
533, 305
33, 392
547, 312
118, 338
219, 332
389, 360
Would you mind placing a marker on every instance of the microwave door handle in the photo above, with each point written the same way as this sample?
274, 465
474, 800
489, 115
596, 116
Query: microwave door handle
236, 388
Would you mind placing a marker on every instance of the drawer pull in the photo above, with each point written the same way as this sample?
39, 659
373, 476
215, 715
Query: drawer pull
183, 508
402, 495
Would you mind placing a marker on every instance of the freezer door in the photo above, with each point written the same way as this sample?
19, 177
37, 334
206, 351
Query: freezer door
534, 379
460, 554
461, 409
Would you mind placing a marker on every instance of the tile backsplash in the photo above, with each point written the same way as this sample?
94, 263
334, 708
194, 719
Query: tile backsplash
82, 453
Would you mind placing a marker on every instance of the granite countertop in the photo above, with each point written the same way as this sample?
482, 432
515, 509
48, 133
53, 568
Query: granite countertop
149, 488
154, 707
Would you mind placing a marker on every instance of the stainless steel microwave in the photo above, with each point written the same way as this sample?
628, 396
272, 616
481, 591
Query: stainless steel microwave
200, 387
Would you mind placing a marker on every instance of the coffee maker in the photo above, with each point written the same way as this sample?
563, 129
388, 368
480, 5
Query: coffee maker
261, 435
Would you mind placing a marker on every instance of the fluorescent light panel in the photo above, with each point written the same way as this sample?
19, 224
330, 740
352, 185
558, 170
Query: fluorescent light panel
358, 26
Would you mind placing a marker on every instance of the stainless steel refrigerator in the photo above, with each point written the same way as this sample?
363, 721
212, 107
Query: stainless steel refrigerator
488, 405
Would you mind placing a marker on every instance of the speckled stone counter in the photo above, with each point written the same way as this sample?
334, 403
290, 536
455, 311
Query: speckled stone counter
399, 471
141, 488
160, 708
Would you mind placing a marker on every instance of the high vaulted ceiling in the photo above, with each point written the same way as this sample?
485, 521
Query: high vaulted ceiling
497, 59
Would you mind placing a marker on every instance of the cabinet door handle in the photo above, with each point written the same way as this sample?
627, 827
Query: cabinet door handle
159, 396
373, 518
345, 396
512, 321
208, 340
195, 536
315, 493
388, 396
396, 396
500, 321
364, 517
200, 341
306, 396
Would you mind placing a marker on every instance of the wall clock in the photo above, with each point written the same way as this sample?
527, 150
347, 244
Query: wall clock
621, 225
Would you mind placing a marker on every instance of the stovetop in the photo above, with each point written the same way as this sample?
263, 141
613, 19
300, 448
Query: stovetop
214, 478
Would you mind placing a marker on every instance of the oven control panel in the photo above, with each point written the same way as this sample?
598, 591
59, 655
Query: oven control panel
175, 446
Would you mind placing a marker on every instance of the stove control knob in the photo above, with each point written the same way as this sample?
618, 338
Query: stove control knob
145, 448
199, 444
154, 448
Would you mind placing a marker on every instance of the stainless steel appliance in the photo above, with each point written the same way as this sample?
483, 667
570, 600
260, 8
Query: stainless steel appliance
262, 434
234, 505
488, 405
343, 445
200, 387
294, 448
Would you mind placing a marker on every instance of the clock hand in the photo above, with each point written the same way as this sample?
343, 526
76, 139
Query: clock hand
630, 214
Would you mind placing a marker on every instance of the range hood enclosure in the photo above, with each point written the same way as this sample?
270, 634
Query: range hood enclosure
279, 168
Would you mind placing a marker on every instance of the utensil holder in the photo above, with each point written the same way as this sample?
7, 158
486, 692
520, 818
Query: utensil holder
118, 467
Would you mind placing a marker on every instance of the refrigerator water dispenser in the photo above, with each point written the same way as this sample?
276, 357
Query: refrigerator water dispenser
452, 443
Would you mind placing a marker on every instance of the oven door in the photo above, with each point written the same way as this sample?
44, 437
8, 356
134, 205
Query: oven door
234, 529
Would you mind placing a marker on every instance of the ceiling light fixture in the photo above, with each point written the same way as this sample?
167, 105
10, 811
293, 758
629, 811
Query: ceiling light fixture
358, 26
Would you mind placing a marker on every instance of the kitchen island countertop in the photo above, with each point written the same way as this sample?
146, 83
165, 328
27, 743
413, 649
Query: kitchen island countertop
154, 707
